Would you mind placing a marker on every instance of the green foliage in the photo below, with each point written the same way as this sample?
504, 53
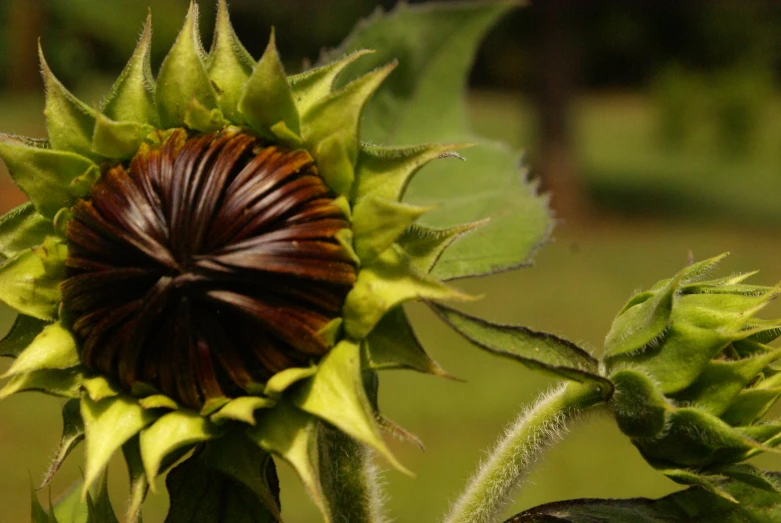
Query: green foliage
422, 101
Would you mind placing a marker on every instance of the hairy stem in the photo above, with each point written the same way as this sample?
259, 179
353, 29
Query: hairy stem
491, 488
350, 479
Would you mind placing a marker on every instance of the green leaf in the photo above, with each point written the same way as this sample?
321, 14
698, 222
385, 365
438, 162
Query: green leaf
693, 505
336, 395
72, 434
68, 507
393, 345
202, 494
169, 433
183, 80
229, 64
21, 229
69, 121
43, 174
26, 287
435, 45
22, 333
536, 350
53, 348
267, 99
132, 97
108, 424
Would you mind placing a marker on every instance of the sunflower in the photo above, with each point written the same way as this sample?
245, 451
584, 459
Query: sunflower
214, 260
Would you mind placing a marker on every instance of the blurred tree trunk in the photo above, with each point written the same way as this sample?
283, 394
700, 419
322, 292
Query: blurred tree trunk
25, 24
556, 72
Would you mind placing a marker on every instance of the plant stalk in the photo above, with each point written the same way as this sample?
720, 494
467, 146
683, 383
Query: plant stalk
508, 465
349, 479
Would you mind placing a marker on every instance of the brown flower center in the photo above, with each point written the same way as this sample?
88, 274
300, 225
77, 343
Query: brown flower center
206, 266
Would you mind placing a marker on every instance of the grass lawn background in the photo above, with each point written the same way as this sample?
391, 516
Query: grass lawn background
691, 199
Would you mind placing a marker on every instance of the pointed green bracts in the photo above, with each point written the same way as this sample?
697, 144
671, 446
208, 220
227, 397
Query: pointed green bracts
693, 376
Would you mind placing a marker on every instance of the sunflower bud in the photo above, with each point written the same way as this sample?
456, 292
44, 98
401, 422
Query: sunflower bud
693, 375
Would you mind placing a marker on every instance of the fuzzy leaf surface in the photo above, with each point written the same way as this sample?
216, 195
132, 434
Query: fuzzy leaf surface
423, 101
690, 505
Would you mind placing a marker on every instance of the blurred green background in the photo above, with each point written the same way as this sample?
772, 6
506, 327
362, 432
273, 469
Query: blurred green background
656, 125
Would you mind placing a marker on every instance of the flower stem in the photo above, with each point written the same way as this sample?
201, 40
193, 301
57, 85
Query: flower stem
491, 488
349, 479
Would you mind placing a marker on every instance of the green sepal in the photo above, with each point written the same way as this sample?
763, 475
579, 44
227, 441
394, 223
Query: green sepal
750, 475
698, 270
99, 388
229, 480
69, 121
241, 459
392, 344
139, 484
26, 286
330, 127
183, 77
169, 433
336, 395
241, 409
690, 477
312, 86
64, 383
229, 65
200, 118
679, 360
119, 139
280, 381
37, 513
43, 174
266, 97
768, 434
53, 348
536, 350
22, 333
108, 424
61, 220
72, 434
291, 434
386, 171
22, 228
642, 320
638, 405
750, 405
695, 438
377, 222
721, 381
425, 245
132, 97
335, 165
284, 136
157, 401
386, 283
725, 312
81, 185
100, 510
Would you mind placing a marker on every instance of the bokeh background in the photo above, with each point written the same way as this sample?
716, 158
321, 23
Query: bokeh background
657, 126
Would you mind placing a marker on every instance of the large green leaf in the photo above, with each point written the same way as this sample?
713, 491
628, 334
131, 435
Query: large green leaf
690, 505
423, 101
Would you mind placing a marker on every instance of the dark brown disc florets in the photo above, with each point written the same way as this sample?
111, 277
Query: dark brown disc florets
206, 266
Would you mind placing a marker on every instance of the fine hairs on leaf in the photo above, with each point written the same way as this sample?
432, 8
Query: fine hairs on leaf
509, 464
